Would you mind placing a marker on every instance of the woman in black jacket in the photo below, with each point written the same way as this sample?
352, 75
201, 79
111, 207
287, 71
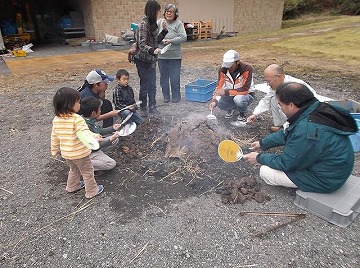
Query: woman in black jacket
147, 40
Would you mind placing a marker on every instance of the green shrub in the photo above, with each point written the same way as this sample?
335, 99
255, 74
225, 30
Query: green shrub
349, 7
295, 8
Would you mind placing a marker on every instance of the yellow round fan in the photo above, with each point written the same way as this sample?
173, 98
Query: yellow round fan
229, 151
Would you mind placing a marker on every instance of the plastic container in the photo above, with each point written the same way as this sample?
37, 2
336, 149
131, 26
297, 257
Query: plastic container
200, 90
98, 45
66, 22
134, 26
340, 207
85, 44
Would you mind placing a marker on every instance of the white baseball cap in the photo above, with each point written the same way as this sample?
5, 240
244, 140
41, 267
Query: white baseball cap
97, 76
230, 57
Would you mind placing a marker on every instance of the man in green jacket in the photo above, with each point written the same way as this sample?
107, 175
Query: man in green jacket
317, 155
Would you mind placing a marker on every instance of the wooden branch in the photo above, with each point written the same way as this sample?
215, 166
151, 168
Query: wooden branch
6, 191
138, 254
212, 189
168, 175
86, 205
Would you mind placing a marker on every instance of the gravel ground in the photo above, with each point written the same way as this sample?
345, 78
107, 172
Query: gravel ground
43, 226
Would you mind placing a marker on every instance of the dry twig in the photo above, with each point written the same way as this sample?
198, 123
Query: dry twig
168, 175
6, 191
261, 213
86, 205
158, 208
212, 189
155, 141
271, 229
295, 217
138, 254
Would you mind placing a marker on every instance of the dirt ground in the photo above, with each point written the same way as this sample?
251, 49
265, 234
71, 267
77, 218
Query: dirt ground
159, 208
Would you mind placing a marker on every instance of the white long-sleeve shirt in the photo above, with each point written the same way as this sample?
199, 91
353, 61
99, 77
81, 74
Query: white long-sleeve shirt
264, 103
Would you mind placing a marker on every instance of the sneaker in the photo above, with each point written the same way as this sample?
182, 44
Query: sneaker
241, 117
238, 123
229, 114
175, 100
82, 186
153, 110
166, 100
100, 190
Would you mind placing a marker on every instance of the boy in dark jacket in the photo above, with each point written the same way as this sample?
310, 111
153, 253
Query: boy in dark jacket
123, 96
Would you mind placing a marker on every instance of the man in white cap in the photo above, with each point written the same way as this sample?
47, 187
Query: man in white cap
95, 85
234, 91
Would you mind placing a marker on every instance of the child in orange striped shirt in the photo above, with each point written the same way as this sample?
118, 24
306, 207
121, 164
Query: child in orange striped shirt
66, 124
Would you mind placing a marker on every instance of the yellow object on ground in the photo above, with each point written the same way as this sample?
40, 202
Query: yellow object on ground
19, 53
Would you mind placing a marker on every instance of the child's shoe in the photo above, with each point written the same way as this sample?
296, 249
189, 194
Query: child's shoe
100, 190
82, 186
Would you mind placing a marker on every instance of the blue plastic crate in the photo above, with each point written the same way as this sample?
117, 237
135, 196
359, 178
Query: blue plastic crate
355, 139
200, 90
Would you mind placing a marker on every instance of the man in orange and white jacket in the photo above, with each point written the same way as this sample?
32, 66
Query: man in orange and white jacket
234, 91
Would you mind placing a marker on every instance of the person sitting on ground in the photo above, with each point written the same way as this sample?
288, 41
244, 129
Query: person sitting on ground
123, 96
234, 91
64, 139
95, 85
317, 154
275, 77
90, 111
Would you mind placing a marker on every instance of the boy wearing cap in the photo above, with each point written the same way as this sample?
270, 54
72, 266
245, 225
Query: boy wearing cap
234, 91
95, 85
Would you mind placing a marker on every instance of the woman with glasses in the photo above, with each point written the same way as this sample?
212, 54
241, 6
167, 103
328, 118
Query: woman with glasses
170, 61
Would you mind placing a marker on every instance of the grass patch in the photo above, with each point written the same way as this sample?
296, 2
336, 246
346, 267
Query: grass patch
324, 46
307, 19
341, 44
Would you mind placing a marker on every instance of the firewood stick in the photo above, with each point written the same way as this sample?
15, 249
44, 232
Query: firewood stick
260, 213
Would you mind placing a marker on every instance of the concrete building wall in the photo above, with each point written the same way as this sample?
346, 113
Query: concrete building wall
243, 16
252, 16
113, 17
